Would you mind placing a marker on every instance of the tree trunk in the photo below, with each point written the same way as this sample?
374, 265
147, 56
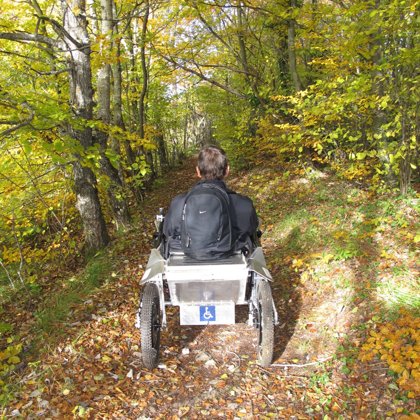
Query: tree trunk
292, 50
81, 102
117, 114
115, 191
142, 116
142, 106
406, 161
243, 55
163, 159
88, 205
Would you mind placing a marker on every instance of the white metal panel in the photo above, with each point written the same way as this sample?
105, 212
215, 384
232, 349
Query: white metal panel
207, 272
258, 265
199, 282
155, 266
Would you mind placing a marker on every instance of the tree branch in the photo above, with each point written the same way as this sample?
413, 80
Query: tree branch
213, 32
9, 122
25, 57
61, 31
27, 37
203, 77
222, 66
24, 123
50, 73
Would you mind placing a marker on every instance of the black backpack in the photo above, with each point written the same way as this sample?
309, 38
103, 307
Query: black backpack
206, 227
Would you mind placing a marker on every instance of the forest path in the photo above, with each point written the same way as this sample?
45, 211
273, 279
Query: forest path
322, 291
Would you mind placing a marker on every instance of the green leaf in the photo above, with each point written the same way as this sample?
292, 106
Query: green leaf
13, 360
4, 327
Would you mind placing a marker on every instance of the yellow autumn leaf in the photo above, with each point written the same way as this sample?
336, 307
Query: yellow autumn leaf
405, 374
13, 360
396, 367
106, 359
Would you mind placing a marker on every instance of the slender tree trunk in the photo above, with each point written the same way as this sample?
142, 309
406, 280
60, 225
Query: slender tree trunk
185, 133
81, 101
145, 74
142, 116
131, 122
243, 54
291, 44
405, 167
163, 158
115, 190
117, 114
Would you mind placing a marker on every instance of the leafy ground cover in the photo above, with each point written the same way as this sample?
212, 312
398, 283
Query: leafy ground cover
346, 288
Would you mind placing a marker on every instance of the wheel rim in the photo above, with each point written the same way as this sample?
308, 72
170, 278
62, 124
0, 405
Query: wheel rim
260, 328
155, 326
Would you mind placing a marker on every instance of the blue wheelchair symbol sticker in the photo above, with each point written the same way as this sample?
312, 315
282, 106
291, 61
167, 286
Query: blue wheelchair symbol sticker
207, 313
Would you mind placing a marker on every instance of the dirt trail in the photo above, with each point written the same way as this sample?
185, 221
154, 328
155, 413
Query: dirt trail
95, 370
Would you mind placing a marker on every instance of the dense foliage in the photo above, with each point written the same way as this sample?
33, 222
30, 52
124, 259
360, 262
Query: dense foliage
96, 100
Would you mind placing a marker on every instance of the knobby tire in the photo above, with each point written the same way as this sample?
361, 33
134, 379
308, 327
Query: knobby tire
265, 325
150, 324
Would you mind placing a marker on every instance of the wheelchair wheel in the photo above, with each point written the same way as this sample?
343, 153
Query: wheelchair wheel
150, 324
265, 324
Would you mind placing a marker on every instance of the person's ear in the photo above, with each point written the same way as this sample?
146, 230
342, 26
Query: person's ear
227, 170
198, 171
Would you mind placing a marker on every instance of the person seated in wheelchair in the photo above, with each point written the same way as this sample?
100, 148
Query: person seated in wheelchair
210, 221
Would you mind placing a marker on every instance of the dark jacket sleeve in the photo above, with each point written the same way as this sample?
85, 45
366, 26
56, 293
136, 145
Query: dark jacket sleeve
172, 223
244, 219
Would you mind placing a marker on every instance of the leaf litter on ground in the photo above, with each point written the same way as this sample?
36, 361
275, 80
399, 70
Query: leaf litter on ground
322, 241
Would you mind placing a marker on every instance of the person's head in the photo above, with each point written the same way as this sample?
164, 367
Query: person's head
212, 163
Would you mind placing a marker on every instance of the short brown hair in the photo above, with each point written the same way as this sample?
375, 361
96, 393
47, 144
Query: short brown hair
212, 163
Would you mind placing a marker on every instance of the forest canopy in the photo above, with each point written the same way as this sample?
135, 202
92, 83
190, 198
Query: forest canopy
97, 98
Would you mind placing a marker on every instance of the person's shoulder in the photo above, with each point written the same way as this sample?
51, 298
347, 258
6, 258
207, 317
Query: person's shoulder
240, 197
179, 196
178, 199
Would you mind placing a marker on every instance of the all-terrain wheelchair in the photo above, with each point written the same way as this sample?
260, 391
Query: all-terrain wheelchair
206, 292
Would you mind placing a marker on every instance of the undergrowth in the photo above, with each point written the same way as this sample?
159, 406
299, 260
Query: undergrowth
350, 248
57, 308
50, 319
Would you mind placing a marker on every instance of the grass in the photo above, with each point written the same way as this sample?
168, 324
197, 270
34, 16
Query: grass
53, 310
396, 293
369, 236
7, 291
57, 308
